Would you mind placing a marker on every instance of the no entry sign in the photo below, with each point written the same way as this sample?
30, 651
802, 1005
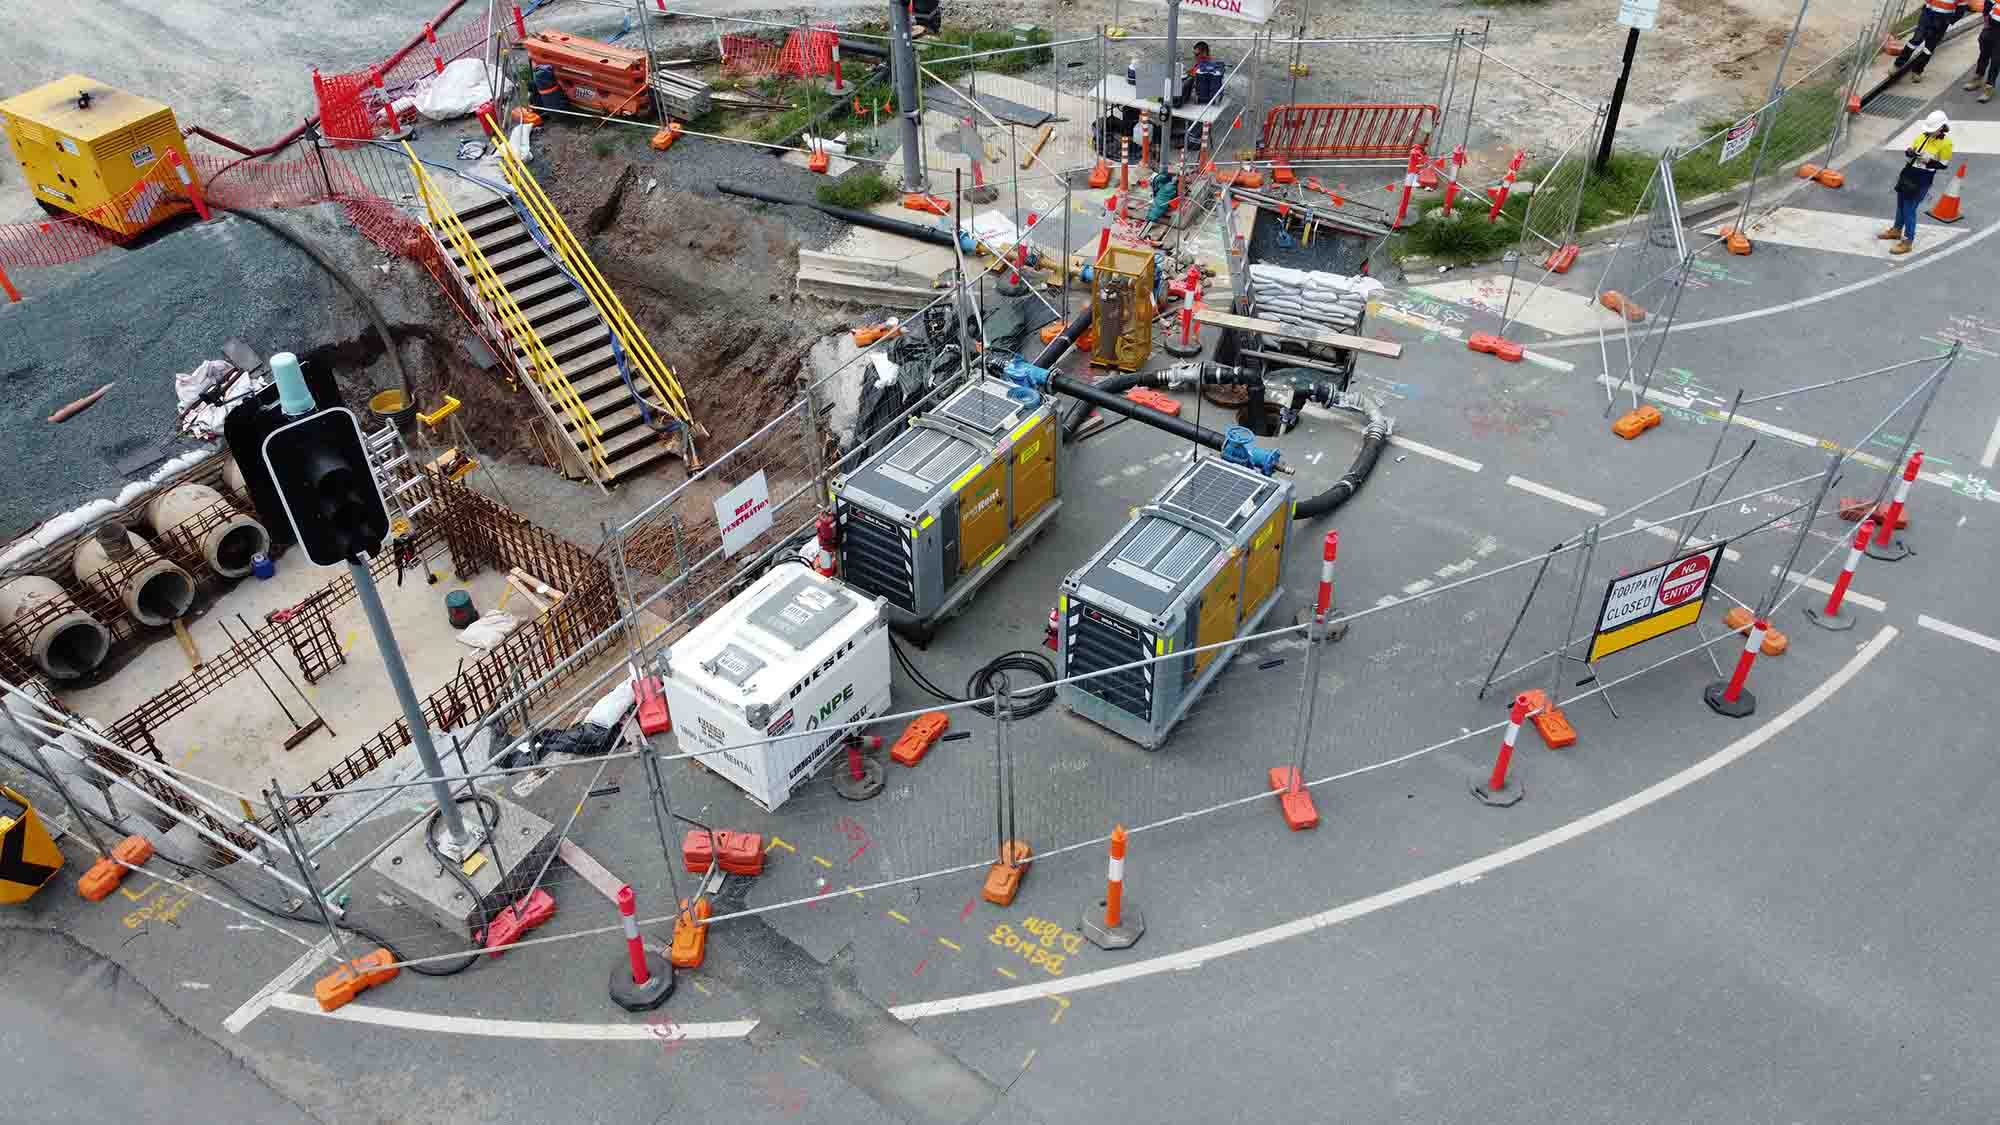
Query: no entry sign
1652, 603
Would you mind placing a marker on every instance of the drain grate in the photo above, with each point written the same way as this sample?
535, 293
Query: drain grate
1893, 105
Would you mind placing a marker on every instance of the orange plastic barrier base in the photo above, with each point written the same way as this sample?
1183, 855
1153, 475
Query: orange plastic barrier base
1086, 342
1736, 241
690, 946
1240, 177
664, 139
1808, 171
135, 850
102, 878
1297, 808
742, 852
818, 161
1737, 620
1551, 723
1003, 877
1495, 345
1100, 176
1562, 258
919, 737
1775, 643
1632, 423
1829, 178
511, 923
1615, 301
1281, 173
869, 333
929, 204
1855, 508
1155, 400
338, 987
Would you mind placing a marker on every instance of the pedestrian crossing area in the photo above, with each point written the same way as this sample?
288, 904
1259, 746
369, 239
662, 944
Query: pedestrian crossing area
1841, 233
1968, 138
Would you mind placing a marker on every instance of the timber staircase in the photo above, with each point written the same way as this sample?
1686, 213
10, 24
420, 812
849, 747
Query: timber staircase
577, 340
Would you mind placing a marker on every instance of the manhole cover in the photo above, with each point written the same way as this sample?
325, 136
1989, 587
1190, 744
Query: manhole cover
1893, 105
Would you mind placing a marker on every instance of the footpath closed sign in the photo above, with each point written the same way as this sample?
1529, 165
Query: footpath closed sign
1738, 138
1653, 603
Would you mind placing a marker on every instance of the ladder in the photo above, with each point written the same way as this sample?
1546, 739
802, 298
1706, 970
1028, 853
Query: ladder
397, 475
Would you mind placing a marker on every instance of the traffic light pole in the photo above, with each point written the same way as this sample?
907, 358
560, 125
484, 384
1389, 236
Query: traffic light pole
457, 844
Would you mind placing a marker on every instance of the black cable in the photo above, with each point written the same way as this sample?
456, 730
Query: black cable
979, 688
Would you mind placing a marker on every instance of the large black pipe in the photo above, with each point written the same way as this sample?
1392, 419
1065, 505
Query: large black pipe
859, 218
1105, 400
864, 47
1060, 346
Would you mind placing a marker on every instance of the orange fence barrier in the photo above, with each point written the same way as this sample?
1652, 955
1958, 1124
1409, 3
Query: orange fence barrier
799, 56
1345, 131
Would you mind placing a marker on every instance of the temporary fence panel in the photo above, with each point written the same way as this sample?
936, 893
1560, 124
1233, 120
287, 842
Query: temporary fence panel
1640, 285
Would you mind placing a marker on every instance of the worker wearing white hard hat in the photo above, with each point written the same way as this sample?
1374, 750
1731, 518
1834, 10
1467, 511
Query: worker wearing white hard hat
1928, 154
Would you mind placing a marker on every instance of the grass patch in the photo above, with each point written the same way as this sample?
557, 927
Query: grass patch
603, 147
936, 51
857, 191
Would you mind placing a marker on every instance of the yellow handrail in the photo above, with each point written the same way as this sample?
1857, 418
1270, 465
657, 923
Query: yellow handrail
546, 369
658, 374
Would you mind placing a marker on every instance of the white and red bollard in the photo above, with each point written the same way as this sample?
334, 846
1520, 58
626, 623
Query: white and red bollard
1831, 617
437, 56
1410, 175
640, 981
827, 529
1498, 791
1120, 925
520, 25
1887, 546
839, 87
862, 777
1189, 344
187, 181
1451, 186
1499, 194
1323, 603
1732, 698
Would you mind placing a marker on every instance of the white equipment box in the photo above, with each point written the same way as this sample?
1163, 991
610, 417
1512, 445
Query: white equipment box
794, 652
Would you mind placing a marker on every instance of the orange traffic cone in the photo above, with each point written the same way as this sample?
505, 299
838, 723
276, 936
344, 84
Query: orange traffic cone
1946, 210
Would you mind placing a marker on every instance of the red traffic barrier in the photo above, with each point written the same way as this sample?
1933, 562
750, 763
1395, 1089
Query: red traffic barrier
1883, 547
1499, 346
1497, 792
653, 716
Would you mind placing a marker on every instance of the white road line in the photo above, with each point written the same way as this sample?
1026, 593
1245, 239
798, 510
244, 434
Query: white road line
1987, 458
1811, 583
1194, 958
1435, 454
1958, 632
1418, 587
1557, 495
1420, 321
282, 983
1665, 532
1932, 258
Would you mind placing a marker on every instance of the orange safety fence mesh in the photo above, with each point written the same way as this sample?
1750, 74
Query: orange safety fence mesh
1345, 131
799, 56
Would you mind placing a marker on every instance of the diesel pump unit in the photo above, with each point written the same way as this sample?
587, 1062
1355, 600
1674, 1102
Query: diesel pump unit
85, 147
932, 516
1197, 566
794, 653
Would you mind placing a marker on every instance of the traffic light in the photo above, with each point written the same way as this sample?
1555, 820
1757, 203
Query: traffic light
320, 470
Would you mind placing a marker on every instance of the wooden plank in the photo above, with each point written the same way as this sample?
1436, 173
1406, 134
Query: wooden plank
521, 588
1035, 149
1217, 317
592, 871
187, 644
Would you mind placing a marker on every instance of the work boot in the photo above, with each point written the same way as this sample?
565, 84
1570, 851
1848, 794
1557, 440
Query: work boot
1971, 86
1916, 76
1890, 232
1986, 93
1902, 247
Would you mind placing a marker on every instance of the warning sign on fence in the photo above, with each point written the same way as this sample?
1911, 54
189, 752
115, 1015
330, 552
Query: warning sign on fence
1739, 137
1652, 603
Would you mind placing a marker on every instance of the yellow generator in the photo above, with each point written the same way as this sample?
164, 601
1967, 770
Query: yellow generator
932, 516
97, 151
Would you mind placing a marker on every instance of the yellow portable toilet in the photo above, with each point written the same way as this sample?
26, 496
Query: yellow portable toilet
28, 857
83, 145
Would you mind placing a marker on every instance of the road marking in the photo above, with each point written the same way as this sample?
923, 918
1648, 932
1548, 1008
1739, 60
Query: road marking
779, 842
899, 917
809, 1061
1557, 495
1557, 313
1665, 532
1962, 244
1418, 587
950, 944
1837, 233
1958, 632
822, 862
701, 988
920, 967
280, 988
1059, 991
1811, 583
1006, 972
1973, 137
1987, 458
349, 642
1424, 323
1434, 453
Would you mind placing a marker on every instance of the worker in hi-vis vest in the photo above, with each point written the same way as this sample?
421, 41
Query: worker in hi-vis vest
1986, 71
1936, 17
1928, 153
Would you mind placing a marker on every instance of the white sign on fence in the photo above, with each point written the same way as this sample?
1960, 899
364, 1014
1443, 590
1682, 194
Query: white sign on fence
744, 513
1638, 14
1739, 138
1249, 11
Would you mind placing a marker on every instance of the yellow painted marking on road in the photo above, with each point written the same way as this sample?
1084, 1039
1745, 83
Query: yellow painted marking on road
898, 917
821, 861
779, 842
1062, 1005
949, 944
1030, 1058
1008, 973
701, 988
349, 642
809, 1061
857, 894
192, 750
127, 892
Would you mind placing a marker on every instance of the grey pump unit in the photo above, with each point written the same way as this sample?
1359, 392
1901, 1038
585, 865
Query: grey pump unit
1197, 566
932, 516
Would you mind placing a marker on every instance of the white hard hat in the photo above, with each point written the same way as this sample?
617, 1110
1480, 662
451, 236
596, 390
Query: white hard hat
1937, 120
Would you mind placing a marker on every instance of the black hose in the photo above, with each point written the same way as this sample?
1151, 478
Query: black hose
859, 218
368, 306
979, 688
1372, 440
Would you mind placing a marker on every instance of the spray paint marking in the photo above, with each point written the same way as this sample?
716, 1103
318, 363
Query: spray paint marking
1062, 1005
809, 1061
949, 944
967, 912
920, 967
701, 988
857, 894
899, 917
1030, 1058
349, 642
1006, 972
779, 842
822, 862
127, 892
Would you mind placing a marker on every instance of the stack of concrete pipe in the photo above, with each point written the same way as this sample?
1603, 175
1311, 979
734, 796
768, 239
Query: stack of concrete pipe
156, 593
68, 646
227, 547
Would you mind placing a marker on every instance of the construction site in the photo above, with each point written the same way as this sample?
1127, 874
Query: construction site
770, 501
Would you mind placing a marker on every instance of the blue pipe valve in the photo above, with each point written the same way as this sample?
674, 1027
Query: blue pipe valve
1239, 449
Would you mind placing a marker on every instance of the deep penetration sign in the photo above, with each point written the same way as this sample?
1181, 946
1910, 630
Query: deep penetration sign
1655, 602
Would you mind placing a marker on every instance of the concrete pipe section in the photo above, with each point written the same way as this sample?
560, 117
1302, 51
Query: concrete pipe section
156, 593
69, 645
227, 547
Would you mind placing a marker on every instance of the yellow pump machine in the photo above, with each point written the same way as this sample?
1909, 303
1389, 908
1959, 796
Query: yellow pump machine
87, 148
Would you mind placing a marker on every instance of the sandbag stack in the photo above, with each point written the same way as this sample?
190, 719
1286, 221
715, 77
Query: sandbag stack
1310, 299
